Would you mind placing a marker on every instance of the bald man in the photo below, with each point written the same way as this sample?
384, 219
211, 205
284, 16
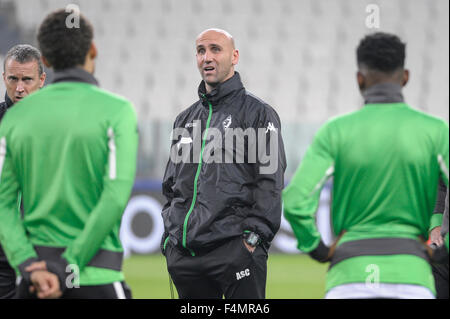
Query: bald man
216, 57
223, 197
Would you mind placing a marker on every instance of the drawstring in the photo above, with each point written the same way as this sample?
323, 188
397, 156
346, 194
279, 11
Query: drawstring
170, 278
172, 296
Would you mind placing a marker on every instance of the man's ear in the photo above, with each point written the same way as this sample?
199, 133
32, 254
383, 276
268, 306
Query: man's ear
46, 63
93, 51
361, 79
235, 57
42, 79
405, 77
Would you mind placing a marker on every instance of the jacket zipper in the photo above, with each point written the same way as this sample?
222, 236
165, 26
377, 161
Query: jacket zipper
197, 174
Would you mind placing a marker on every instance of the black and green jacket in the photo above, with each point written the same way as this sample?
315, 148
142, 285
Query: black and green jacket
4, 106
209, 202
5, 268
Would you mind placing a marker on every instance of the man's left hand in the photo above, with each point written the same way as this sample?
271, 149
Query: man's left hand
45, 285
249, 248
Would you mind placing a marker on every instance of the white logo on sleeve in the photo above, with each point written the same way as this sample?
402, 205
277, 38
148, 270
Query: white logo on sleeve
242, 274
271, 127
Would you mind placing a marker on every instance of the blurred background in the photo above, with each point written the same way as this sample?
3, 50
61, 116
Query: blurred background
297, 55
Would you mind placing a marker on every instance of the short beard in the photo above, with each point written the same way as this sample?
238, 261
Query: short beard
213, 84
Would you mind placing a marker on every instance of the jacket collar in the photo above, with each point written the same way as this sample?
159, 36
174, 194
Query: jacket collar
383, 93
220, 92
8, 101
74, 75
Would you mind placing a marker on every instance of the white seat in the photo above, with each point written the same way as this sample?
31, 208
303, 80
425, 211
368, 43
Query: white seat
298, 55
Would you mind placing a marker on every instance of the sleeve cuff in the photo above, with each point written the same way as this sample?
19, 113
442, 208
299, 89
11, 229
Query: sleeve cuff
320, 253
164, 240
25, 274
440, 255
259, 228
60, 269
436, 220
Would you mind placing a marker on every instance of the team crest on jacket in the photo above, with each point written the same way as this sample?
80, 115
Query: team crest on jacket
188, 125
226, 124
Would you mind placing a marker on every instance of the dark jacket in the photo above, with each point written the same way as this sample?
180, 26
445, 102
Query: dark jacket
229, 198
7, 274
444, 229
4, 106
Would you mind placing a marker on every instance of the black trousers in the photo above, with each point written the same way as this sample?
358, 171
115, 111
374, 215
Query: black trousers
7, 280
230, 270
440, 273
118, 290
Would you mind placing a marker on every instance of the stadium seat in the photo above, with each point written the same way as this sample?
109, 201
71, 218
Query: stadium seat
298, 55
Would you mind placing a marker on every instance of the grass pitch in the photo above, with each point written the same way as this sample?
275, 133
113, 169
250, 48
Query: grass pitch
288, 277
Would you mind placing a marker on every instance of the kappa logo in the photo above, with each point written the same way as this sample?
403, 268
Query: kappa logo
226, 124
242, 274
271, 127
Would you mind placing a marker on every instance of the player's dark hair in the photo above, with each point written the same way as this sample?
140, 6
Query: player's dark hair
24, 53
64, 46
381, 52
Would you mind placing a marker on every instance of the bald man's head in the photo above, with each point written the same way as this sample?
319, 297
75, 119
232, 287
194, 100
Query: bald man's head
216, 56
223, 32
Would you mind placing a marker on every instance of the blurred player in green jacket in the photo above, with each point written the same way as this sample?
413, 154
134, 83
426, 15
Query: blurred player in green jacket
385, 160
70, 149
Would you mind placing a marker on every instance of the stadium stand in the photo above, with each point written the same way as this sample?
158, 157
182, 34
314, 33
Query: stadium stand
298, 55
